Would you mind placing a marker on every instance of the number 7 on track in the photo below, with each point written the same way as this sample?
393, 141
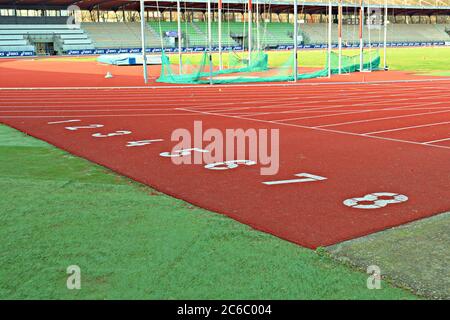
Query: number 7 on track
304, 177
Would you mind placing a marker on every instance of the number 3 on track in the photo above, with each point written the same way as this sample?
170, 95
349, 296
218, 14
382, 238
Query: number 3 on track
375, 200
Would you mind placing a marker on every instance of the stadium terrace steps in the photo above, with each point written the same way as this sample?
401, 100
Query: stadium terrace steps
155, 35
119, 35
227, 40
196, 33
416, 32
11, 37
13, 42
282, 33
25, 37
279, 33
193, 35
317, 33
104, 35
443, 28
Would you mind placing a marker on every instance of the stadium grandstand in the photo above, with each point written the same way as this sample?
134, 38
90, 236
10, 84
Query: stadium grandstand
63, 27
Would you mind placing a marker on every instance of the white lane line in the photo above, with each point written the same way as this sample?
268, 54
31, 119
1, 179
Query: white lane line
408, 128
202, 104
148, 104
319, 129
319, 109
194, 95
84, 99
284, 84
141, 94
215, 105
64, 121
256, 113
354, 111
374, 100
230, 95
348, 103
439, 140
375, 103
83, 110
384, 118
293, 111
284, 103
243, 113
94, 116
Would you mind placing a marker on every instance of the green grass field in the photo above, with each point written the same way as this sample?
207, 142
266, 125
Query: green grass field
132, 242
417, 60
430, 61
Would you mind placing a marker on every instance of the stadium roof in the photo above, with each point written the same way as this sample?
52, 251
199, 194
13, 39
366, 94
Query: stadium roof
399, 7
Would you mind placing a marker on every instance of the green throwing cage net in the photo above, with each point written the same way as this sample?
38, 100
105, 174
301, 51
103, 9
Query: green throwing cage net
239, 68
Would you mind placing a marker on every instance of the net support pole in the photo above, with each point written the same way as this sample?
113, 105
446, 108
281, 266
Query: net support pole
258, 46
210, 42
361, 41
369, 25
144, 54
220, 35
330, 21
295, 40
340, 36
180, 59
250, 18
385, 34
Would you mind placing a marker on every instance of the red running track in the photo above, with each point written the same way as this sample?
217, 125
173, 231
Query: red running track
363, 138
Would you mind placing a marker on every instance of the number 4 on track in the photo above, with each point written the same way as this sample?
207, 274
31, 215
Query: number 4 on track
304, 177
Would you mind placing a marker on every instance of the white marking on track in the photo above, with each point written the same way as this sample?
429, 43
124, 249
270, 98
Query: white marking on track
439, 140
304, 177
384, 118
284, 84
408, 128
64, 121
319, 129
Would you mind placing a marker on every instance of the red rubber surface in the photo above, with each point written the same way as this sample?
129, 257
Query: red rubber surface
310, 214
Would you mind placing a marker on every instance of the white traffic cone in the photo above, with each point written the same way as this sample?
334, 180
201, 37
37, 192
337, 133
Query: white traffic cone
108, 75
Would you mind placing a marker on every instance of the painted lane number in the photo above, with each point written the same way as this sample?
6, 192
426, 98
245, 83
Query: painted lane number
112, 134
375, 200
142, 143
304, 177
226, 165
91, 126
182, 152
